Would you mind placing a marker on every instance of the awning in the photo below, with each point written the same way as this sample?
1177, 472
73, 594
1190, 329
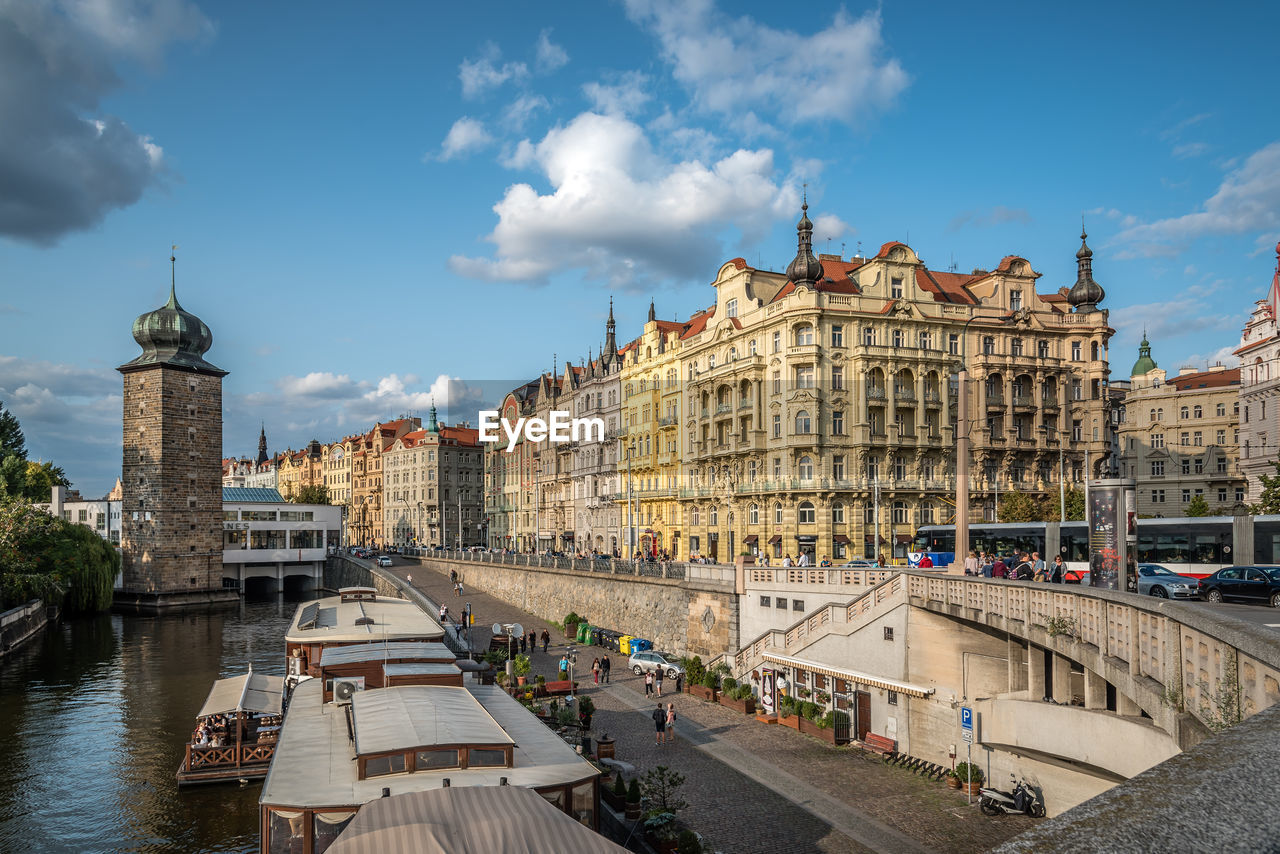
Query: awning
775, 539
841, 539
850, 675
807, 538
870, 538
751, 538
903, 538
511, 819
252, 692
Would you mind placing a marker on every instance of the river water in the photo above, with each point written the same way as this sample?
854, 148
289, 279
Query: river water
94, 716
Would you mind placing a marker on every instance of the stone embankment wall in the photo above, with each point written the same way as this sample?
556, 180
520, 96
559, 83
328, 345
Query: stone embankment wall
682, 616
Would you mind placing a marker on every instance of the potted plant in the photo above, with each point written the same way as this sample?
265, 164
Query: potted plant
633, 801
970, 776
571, 625
688, 843
661, 830
953, 782
616, 795
693, 671
522, 666
788, 712
586, 709
804, 692
737, 695
706, 689
819, 727
542, 686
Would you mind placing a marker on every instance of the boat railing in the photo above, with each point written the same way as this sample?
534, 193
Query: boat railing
228, 756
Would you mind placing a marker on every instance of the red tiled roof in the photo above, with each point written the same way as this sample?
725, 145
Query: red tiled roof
946, 287
740, 263
699, 323
1205, 379
884, 250
462, 435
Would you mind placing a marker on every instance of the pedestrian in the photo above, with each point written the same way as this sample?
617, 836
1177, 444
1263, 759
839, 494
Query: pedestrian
880, 561
453, 576
443, 610
971, 564
605, 666
1023, 571
408, 578
998, 569
657, 681
988, 565
595, 670
457, 589
648, 683
564, 667
546, 641
671, 723
926, 562
1059, 573
458, 626
660, 724
524, 644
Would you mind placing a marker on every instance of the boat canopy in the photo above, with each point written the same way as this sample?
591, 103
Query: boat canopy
252, 692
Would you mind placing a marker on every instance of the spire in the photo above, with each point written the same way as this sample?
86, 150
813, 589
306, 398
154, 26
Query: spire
804, 268
609, 354
1085, 294
173, 279
432, 425
262, 444
1145, 363
652, 314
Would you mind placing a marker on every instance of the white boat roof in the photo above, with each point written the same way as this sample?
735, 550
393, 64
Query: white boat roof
331, 620
314, 767
420, 716
355, 653
250, 692
421, 668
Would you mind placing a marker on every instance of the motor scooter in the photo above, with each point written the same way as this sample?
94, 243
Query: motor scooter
1021, 800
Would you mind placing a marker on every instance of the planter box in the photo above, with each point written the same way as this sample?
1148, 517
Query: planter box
767, 719
632, 812
702, 692
792, 721
746, 707
571, 631
617, 802
808, 727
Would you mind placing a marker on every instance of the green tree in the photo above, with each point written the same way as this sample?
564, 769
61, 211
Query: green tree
12, 442
310, 495
1020, 507
1197, 507
41, 478
1269, 501
43, 556
1075, 505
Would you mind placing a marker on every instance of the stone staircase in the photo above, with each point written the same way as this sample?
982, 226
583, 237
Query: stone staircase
834, 618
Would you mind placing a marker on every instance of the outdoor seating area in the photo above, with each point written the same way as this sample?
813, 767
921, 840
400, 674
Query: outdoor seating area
236, 731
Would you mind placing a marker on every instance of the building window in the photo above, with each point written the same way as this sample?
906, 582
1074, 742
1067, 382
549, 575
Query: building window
837, 379
895, 287
1222, 465
1220, 438
777, 341
753, 514
713, 516
1015, 347
804, 376
807, 515
804, 336
777, 426
899, 513
1197, 412
1184, 413
926, 341
837, 423
1157, 496
781, 603
837, 467
765, 602
1222, 495
806, 468
1199, 465
837, 335
1157, 468
777, 382
1015, 300
837, 514
1075, 351
777, 514
802, 422
1077, 432
1077, 390
1186, 466
899, 340
1042, 349
1184, 438
893, 698
1186, 496
953, 345
873, 468
1197, 439
1221, 411
797, 605
888, 633
988, 345
777, 467
695, 517
869, 336
731, 308
1157, 440
751, 351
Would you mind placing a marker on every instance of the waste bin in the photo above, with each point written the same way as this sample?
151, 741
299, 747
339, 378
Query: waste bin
609, 640
641, 644
595, 636
584, 632
624, 644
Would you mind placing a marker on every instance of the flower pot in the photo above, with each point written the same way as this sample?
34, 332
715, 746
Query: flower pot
792, 721
633, 811
522, 681
809, 728
953, 782
972, 788
702, 692
746, 707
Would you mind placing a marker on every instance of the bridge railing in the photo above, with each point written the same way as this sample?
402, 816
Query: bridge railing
720, 574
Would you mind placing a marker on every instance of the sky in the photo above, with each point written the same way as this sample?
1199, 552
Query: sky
381, 205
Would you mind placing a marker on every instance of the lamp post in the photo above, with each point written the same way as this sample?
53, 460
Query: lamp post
962, 428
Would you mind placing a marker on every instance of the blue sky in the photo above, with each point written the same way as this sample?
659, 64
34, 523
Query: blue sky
372, 199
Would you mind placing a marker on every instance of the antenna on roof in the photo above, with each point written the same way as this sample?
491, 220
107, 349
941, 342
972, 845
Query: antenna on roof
953, 266
859, 255
842, 248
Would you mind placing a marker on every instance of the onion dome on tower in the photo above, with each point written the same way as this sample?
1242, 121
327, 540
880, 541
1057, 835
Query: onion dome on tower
173, 337
1145, 363
805, 268
1085, 294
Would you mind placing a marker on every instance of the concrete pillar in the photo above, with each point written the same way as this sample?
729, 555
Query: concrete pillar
1095, 690
1017, 659
1035, 673
1061, 679
1127, 707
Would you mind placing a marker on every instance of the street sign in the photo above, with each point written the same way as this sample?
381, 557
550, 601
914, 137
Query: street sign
967, 736
966, 719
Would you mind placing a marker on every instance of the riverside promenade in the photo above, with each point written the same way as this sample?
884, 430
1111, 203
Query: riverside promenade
751, 787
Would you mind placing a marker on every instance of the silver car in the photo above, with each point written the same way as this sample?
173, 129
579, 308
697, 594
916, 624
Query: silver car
640, 662
1164, 583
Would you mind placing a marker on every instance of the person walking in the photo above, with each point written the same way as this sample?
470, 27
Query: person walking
988, 565
533, 641
926, 562
660, 724
408, 578
671, 723
595, 670
605, 666
998, 569
457, 589
971, 564
564, 667
524, 644
546, 641
648, 683
657, 681
1059, 572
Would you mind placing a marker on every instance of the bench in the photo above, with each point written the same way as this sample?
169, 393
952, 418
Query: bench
559, 688
879, 744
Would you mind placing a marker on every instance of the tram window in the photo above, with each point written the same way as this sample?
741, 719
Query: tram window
1171, 548
1207, 548
1266, 545
1076, 547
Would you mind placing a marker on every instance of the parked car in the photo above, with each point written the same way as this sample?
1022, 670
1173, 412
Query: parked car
384, 561
1164, 583
1243, 583
650, 660
861, 563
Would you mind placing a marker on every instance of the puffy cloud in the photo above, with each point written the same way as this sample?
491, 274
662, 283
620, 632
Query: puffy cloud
488, 72
466, 135
551, 56
625, 97
1193, 311
64, 166
62, 379
1247, 200
1224, 356
829, 227
522, 109
736, 65
622, 212
999, 215
321, 385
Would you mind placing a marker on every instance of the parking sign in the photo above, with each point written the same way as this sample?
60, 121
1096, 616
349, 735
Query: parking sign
966, 718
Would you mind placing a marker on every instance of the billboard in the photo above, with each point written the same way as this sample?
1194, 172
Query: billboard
1113, 534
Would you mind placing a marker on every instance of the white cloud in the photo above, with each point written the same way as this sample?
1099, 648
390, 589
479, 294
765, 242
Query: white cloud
829, 227
488, 72
322, 385
736, 65
1247, 200
1189, 149
625, 97
551, 56
1224, 356
1193, 311
1176, 131
466, 135
521, 157
522, 109
623, 213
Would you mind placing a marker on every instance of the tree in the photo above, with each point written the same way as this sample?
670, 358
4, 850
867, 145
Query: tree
1020, 507
41, 478
12, 442
318, 494
1197, 506
46, 557
1269, 501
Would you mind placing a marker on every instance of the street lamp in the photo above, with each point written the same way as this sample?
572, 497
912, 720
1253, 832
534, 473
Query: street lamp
962, 428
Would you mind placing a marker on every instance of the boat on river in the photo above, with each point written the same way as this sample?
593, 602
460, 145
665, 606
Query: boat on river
236, 731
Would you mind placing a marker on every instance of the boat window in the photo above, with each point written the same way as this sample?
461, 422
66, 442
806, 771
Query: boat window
431, 760
284, 827
378, 766
327, 827
584, 803
486, 758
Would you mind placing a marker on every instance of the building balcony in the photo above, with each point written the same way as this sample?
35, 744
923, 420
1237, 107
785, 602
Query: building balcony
1023, 401
904, 395
724, 408
746, 404
994, 401
932, 399
668, 421
875, 393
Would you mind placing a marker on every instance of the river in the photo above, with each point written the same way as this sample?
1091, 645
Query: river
94, 716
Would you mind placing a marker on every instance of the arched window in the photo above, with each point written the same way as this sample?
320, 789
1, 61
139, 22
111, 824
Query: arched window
803, 422
806, 468
1184, 413
695, 516
777, 514
1197, 412
733, 354
804, 336
627, 390
714, 513
1153, 415
751, 347
753, 514
1093, 351
899, 512
806, 513
837, 514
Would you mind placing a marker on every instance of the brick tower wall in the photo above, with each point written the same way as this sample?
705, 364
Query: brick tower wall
172, 470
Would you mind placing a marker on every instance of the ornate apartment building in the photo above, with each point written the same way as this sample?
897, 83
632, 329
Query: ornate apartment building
1180, 437
365, 513
296, 470
597, 505
433, 487
1259, 353
809, 393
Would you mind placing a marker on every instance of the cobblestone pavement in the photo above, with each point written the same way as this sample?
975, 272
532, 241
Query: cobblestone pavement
752, 786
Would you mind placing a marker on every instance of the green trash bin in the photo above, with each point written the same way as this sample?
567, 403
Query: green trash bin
584, 631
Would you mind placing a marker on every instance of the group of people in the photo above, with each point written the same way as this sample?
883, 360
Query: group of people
600, 669
1022, 566
212, 731
664, 721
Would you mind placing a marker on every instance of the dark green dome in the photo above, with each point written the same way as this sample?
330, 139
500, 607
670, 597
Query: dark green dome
1145, 363
172, 336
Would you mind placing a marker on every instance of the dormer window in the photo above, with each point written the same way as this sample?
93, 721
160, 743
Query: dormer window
731, 308
895, 287
1015, 300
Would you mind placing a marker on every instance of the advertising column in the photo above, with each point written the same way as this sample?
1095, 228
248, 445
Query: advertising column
1113, 534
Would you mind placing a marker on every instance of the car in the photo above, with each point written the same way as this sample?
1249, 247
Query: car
384, 561
640, 662
861, 563
1244, 584
1164, 583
